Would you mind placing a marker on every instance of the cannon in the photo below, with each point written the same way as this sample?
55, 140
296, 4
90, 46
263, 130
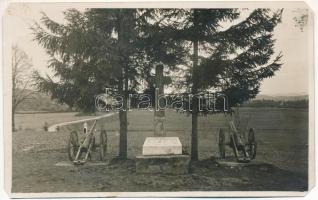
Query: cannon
81, 145
243, 148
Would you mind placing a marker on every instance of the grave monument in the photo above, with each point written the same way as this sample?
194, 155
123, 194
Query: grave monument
161, 154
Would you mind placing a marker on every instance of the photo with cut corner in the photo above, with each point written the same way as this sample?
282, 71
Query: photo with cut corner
185, 99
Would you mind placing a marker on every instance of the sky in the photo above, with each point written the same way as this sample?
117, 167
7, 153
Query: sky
294, 43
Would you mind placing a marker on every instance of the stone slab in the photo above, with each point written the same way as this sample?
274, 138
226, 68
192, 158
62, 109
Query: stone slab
162, 146
164, 164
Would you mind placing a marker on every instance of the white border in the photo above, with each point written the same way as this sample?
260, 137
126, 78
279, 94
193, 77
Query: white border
6, 118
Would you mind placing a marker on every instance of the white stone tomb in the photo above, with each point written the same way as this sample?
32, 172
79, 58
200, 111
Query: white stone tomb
162, 146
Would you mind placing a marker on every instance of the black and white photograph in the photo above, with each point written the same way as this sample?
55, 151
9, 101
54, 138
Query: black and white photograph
180, 99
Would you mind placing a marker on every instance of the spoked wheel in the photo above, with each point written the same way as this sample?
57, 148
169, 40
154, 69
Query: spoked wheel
103, 145
73, 145
251, 143
222, 143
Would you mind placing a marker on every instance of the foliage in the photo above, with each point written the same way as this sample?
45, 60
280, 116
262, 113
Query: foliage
86, 55
231, 60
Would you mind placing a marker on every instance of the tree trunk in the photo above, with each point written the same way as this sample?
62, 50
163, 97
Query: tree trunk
123, 135
122, 125
123, 120
123, 86
195, 109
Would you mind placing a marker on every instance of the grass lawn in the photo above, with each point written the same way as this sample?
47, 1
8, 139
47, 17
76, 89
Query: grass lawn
282, 136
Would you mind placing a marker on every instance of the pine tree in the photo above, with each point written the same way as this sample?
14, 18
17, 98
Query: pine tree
231, 60
103, 48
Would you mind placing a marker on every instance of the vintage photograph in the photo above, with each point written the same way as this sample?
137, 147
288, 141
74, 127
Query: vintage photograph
112, 98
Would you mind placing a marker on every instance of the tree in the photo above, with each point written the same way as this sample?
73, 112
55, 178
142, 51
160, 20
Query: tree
102, 48
88, 54
231, 60
21, 79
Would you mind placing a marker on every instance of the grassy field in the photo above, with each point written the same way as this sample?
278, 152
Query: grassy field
282, 136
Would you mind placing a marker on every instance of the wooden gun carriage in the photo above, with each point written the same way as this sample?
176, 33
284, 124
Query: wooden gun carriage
82, 145
244, 148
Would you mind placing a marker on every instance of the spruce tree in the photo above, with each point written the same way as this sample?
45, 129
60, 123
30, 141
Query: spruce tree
231, 60
103, 48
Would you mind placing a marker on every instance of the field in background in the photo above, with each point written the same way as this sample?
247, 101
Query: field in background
282, 136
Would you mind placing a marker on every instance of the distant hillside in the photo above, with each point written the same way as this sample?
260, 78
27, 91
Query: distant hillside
300, 101
281, 98
41, 103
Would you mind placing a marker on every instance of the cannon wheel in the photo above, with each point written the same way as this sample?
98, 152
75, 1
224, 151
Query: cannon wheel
73, 145
103, 145
222, 143
252, 146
